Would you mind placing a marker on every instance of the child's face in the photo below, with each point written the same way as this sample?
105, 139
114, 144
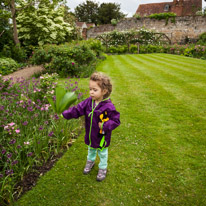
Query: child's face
96, 93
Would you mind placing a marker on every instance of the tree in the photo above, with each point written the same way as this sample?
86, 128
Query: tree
43, 23
109, 11
5, 27
87, 12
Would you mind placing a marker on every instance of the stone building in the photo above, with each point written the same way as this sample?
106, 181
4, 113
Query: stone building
180, 7
83, 27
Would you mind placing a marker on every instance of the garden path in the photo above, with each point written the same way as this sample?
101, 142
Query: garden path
25, 73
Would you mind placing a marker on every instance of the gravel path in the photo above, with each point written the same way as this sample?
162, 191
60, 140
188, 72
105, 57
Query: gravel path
25, 73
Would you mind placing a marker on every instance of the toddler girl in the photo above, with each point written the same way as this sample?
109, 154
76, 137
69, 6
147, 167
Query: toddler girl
101, 118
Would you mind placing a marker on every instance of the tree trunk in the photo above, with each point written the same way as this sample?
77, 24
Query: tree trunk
15, 33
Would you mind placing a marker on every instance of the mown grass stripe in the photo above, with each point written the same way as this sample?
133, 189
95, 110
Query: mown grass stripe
156, 87
181, 70
177, 70
186, 61
179, 88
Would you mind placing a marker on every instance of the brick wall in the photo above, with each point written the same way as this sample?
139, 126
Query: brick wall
185, 27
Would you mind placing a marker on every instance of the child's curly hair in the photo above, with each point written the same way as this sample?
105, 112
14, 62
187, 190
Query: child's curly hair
103, 81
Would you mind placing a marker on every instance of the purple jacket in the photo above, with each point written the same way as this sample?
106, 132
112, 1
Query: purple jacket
105, 107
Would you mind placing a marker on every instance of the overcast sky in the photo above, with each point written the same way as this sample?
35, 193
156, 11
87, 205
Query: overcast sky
127, 6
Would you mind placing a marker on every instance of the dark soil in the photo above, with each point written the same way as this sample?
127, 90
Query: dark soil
30, 179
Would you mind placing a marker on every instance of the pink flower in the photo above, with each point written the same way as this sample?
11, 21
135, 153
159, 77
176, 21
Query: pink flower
17, 131
11, 124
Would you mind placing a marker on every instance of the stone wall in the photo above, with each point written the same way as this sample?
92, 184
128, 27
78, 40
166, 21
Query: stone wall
184, 27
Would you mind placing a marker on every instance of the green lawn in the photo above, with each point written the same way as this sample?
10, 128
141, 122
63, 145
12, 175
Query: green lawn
157, 155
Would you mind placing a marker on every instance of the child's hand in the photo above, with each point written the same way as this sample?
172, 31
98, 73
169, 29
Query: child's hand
100, 124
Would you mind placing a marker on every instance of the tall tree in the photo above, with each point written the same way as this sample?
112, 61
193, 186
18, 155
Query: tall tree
87, 12
109, 11
5, 27
43, 23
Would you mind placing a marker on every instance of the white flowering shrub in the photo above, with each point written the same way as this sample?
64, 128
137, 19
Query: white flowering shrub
42, 25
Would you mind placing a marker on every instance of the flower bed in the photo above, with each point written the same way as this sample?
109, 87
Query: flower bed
30, 131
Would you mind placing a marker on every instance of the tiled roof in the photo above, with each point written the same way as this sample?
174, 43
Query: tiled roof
189, 7
147, 9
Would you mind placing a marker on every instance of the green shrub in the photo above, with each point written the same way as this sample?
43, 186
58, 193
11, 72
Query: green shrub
202, 39
114, 22
165, 16
7, 66
66, 60
15, 52
133, 49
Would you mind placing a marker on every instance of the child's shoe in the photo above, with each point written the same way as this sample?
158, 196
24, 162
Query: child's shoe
101, 174
88, 167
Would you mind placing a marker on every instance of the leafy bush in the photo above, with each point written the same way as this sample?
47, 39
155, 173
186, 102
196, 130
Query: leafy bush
133, 49
118, 50
7, 66
14, 52
165, 16
202, 39
67, 59
114, 22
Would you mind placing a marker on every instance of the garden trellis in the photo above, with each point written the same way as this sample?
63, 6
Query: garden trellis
142, 36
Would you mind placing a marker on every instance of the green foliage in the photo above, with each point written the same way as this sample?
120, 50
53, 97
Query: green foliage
7, 66
42, 25
165, 16
68, 59
95, 45
63, 100
202, 39
5, 30
87, 12
137, 16
118, 50
114, 22
142, 36
92, 12
195, 51
133, 49
109, 13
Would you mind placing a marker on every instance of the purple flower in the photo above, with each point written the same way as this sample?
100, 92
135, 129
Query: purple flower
73, 63
15, 162
46, 122
29, 154
41, 128
30, 109
1, 175
2, 108
17, 131
19, 146
13, 141
9, 155
56, 116
25, 123
9, 172
3, 151
51, 134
